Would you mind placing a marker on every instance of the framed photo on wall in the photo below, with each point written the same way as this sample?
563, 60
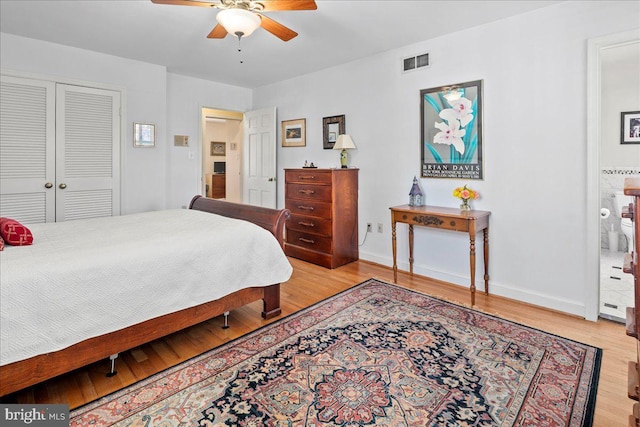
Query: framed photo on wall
331, 128
218, 148
630, 127
144, 135
451, 131
294, 133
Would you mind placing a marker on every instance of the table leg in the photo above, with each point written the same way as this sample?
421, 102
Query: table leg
411, 248
393, 249
472, 264
486, 260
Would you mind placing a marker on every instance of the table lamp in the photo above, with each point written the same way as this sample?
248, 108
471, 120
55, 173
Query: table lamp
344, 143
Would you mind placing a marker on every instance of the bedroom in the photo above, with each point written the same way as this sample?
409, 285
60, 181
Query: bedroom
547, 264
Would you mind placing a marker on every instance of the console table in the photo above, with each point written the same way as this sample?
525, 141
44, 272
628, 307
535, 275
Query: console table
470, 222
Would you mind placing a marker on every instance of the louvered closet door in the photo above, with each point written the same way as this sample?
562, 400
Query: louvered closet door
87, 152
27, 149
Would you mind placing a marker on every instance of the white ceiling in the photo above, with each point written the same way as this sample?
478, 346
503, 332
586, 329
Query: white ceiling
175, 36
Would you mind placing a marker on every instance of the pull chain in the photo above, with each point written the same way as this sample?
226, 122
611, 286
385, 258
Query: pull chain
240, 34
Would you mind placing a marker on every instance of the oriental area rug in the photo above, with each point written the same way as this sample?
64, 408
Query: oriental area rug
374, 355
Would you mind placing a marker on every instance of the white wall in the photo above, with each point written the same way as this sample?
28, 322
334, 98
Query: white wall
234, 161
158, 178
144, 89
534, 72
186, 98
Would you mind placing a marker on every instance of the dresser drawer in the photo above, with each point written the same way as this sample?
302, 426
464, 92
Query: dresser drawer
313, 176
455, 224
309, 207
310, 224
435, 221
310, 241
308, 192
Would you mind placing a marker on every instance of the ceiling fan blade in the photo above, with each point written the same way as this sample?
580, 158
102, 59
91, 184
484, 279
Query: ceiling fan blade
218, 32
186, 3
271, 5
277, 29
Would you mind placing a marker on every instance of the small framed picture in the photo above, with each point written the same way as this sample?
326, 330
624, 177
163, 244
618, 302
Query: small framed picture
218, 148
144, 135
332, 127
294, 133
630, 127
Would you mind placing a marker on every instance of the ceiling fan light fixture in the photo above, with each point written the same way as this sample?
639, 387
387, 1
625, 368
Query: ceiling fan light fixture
240, 22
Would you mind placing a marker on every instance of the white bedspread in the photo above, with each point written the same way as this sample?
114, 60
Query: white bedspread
85, 278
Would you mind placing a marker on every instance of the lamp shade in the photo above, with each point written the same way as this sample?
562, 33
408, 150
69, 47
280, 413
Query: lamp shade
344, 142
240, 22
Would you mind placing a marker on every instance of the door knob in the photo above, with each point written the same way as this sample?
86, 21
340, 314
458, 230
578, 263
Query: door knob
62, 186
48, 185
271, 179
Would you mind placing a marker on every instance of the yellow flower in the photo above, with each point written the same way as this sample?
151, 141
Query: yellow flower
465, 193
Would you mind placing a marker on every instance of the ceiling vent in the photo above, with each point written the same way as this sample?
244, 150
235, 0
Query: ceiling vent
414, 62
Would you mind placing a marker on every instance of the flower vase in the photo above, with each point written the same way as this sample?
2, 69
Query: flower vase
464, 206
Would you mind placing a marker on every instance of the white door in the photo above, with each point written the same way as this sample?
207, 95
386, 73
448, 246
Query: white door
259, 158
87, 149
27, 149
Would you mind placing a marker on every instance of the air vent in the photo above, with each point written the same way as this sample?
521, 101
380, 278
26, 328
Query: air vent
414, 62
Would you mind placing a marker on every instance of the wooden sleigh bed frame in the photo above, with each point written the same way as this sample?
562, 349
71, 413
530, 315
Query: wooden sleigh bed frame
22, 374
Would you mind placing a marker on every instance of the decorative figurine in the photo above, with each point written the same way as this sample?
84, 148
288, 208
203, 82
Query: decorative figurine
416, 197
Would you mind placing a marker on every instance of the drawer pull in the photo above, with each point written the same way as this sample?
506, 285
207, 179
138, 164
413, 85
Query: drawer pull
302, 239
306, 177
306, 208
307, 191
306, 224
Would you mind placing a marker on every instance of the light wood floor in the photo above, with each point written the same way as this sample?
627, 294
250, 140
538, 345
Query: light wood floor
310, 284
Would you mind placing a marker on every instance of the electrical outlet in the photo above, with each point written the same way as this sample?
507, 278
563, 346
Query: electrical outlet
379, 227
369, 227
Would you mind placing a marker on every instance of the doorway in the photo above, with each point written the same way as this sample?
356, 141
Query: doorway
244, 144
608, 163
222, 154
620, 92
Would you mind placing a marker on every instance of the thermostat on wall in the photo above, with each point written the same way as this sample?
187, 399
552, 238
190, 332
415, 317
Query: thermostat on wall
181, 140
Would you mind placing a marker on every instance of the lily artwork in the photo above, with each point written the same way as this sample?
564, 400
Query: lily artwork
451, 131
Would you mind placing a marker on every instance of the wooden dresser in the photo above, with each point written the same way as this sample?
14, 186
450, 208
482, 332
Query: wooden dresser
218, 186
323, 228
631, 265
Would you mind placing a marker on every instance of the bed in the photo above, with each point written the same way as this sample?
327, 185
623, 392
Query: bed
89, 289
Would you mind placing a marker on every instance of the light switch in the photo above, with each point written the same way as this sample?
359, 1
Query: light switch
191, 155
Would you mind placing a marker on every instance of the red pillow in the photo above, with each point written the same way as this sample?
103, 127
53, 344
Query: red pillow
15, 233
1, 244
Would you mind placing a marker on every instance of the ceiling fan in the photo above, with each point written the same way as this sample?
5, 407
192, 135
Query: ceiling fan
242, 17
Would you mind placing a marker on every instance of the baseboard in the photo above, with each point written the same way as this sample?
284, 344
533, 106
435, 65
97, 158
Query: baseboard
495, 288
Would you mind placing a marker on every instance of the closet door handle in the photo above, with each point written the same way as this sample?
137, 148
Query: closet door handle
48, 185
62, 186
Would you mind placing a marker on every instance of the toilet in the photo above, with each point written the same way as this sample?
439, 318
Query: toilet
626, 224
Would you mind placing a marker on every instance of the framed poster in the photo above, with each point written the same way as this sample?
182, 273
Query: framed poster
294, 133
451, 131
630, 127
